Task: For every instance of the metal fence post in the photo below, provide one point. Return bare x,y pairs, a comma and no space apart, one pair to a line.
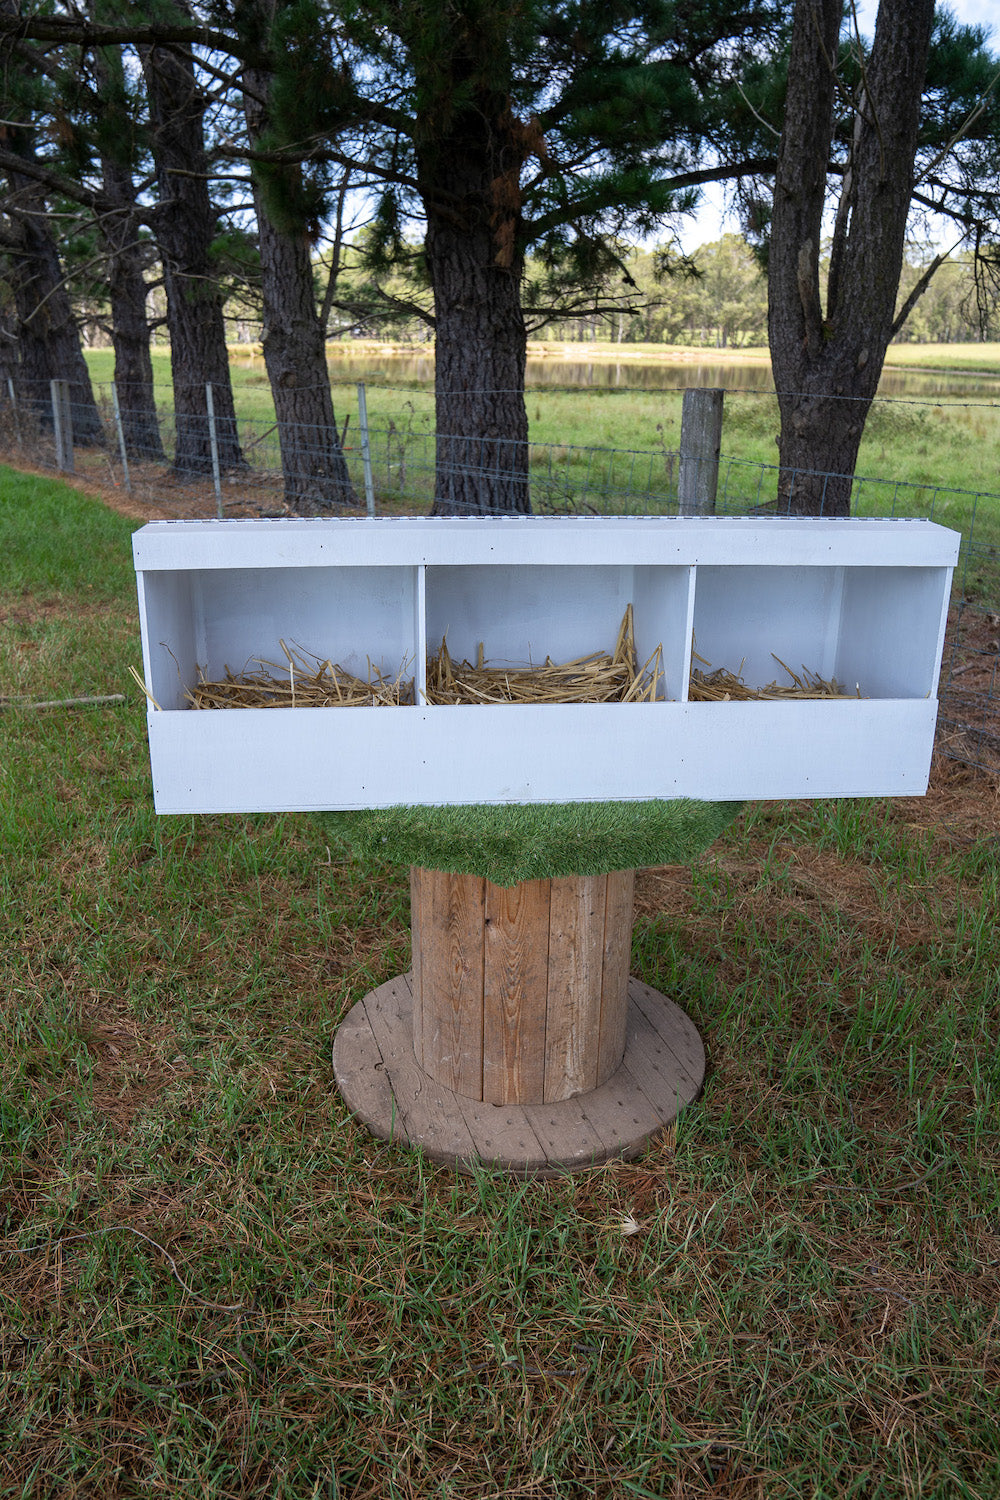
62,424
214,444
14,411
701,441
121,436
366,453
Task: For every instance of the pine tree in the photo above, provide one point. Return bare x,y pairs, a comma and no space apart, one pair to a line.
312,459
499,128
184,224
872,136
42,339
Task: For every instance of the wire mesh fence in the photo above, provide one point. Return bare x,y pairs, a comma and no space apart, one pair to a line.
397,464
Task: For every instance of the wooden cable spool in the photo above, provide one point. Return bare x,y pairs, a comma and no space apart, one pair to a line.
519,1041
520,994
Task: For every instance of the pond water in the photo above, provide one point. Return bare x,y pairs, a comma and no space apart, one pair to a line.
640,374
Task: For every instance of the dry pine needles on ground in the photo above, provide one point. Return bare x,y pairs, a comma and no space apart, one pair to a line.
598,678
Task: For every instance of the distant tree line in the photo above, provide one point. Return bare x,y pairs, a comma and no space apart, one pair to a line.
716,299
171,165
720,302
724,305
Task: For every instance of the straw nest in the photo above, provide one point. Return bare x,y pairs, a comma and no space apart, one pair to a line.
723,686
599,678
305,682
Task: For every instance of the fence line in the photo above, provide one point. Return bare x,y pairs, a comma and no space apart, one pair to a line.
395,466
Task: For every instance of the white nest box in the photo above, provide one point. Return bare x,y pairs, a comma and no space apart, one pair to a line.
861,601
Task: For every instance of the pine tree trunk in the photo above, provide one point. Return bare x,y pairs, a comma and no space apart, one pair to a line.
129,324
184,225
471,195
312,460
49,339
818,450
827,361
8,330
42,338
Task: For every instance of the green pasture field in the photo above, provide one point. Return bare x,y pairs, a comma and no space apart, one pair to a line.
948,445
611,447
983,357
215,1283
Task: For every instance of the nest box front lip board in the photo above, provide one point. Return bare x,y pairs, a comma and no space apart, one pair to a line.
861,600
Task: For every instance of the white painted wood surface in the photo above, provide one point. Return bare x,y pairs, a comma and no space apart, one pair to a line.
863,600
408,540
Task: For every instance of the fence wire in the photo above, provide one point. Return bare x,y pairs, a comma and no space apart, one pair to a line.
398,464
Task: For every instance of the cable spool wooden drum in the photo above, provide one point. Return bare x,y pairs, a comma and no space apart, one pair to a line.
519,1041
520,994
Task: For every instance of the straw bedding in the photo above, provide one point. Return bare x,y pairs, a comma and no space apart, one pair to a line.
603,677
307,681
723,686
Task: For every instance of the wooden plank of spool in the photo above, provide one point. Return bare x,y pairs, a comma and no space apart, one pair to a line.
515,958
568,1136
358,1059
447,924
618,919
520,994
417,944
684,1052
420,1112
574,985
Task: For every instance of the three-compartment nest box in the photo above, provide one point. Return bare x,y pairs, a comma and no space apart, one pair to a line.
855,602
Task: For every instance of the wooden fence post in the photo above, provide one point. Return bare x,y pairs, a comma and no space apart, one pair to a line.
701,440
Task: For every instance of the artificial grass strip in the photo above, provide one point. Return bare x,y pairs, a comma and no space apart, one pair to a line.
512,842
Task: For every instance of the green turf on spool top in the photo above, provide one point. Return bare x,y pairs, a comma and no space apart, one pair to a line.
510,843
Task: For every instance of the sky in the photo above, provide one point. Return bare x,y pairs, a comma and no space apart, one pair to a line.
712,221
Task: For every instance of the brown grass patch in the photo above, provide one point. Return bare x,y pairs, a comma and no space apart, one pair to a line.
969,719
132,1061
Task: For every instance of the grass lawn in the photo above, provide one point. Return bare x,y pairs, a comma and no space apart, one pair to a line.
215,1283
974,356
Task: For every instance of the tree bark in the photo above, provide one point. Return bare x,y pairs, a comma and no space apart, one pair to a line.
470,185
129,323
827,361
8,329
184,224
48,339
312,460
127,291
